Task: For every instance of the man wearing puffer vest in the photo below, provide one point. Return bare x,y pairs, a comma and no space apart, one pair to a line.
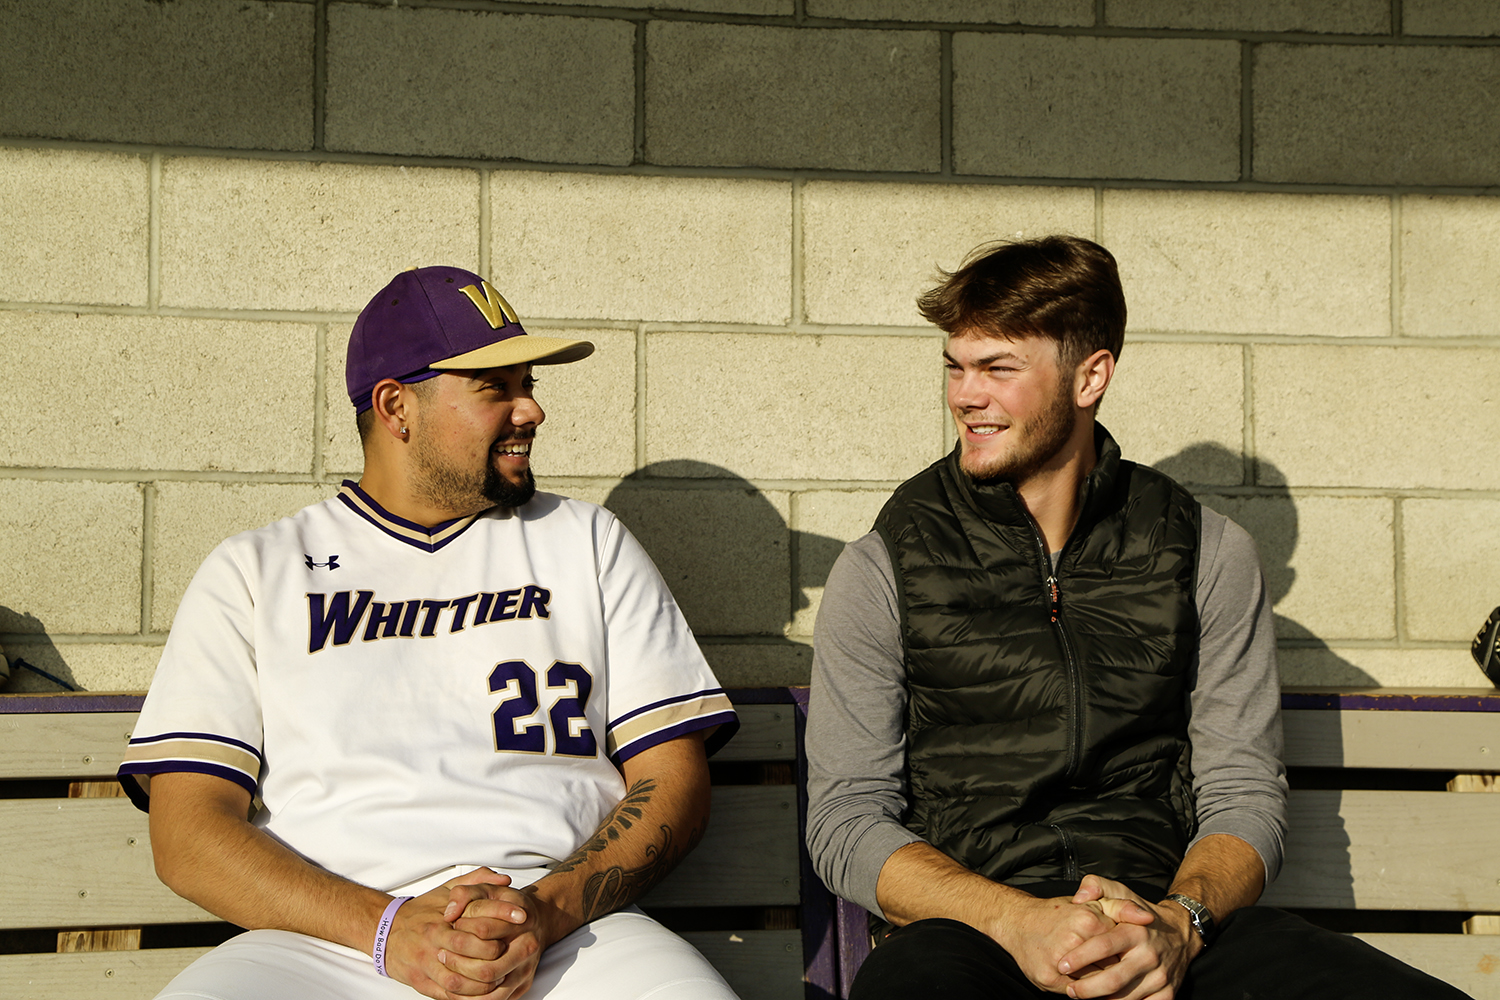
1044,740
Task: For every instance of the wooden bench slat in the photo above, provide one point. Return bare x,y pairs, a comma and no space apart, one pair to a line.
760,965
94,975
71,863
1390,851
1458,741
63,745
748,857
1470,962
767,732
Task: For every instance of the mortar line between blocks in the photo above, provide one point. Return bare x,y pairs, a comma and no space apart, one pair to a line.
640,396
1397,289
1247,389
148,553
797,305
1398,17
1099,14
1099,214
1398,549
153,236
320,399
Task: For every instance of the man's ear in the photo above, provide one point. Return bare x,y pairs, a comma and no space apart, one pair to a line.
391,407
1092,378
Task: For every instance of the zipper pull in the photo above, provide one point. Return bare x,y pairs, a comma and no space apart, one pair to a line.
1052,584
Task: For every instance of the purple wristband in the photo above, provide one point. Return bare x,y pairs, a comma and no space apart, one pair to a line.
384,931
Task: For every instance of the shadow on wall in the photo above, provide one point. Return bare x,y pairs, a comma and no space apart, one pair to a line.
35,663
1271,519
724,548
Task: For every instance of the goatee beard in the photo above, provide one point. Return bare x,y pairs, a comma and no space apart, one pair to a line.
504,493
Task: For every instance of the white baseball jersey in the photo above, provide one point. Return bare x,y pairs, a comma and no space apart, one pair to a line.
404,699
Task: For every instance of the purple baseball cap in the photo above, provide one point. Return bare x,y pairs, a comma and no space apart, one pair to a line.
431,319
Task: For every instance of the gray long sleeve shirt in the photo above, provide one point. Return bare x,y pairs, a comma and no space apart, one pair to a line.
856,732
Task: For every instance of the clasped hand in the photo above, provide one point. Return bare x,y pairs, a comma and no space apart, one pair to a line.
1142,956
473,936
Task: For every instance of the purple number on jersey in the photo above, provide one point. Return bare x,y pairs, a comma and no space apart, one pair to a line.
518,679
567,713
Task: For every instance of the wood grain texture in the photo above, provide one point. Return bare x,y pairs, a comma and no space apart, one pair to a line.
116,939
1461,741
759,965
98,975
766,733
63,744
1390,851
1470,963
747,858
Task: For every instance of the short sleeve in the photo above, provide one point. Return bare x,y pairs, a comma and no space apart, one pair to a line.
202,713
660,686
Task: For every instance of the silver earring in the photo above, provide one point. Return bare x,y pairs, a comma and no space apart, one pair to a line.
403,432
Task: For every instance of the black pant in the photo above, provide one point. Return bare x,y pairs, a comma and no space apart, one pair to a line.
1261,954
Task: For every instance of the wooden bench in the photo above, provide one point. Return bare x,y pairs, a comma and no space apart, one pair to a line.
86,917
1386,841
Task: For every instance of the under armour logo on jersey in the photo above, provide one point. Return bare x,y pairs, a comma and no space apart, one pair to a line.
332,563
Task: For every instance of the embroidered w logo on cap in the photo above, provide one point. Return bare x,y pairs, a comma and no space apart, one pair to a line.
492,304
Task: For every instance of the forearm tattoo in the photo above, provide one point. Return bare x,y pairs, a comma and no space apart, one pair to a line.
611,888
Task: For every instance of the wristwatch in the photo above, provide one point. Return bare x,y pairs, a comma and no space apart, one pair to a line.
1203,921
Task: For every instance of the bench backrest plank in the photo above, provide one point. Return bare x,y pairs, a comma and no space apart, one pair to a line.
63,744
97,975
1438,741
1469,961
1390,850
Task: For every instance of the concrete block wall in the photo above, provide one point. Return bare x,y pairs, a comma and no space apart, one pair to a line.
738,200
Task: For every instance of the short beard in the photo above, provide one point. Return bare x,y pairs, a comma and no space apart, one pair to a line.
447,488
1045,436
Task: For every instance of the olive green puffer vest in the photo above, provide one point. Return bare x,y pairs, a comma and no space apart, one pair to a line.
1047,712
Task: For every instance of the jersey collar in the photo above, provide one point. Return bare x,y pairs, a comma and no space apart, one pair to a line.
399,528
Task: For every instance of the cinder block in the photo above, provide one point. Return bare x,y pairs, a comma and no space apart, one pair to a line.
1181,408
1357,114
1057,106
746,95
258,234
1354,17
162,393
1365,667
1042,12
1450,255
723,551
1381,417
1450,566
760,664
825,521
1233,262
585,246
431,82
74,225
790,407
87,666
590,407
769,8
1330,562
192,518
1450,17
869,250
221,73
70,557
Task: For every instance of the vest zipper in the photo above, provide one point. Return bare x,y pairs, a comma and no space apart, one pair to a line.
1070,855
1070,660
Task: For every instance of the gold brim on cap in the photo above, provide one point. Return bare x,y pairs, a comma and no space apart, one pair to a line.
521,350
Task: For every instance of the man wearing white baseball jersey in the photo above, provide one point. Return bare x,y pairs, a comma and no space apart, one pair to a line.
437,732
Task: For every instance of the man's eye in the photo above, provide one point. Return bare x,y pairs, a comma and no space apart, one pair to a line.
530,382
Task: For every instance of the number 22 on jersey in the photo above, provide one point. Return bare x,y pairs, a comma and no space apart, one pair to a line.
516,728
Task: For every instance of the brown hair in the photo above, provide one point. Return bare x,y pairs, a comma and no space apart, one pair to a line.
1059,287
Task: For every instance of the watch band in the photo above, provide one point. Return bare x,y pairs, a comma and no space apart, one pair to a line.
1203,921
